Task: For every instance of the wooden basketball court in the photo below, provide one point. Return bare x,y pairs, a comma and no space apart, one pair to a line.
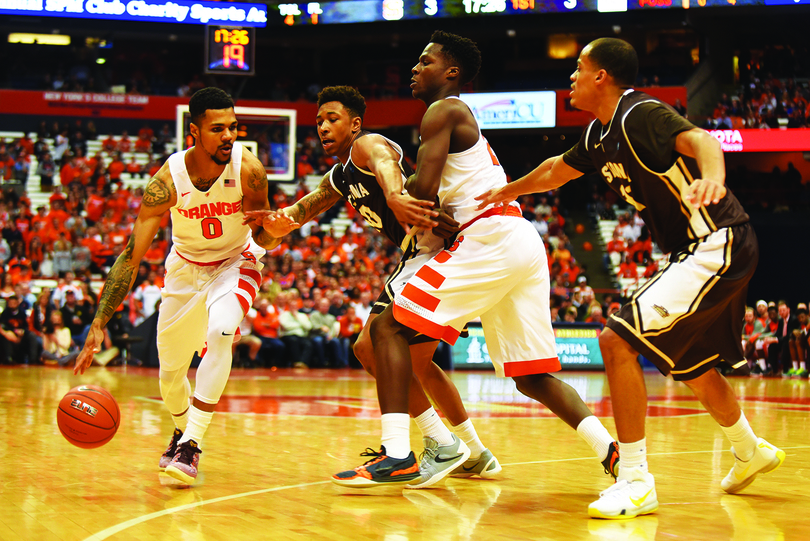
269,455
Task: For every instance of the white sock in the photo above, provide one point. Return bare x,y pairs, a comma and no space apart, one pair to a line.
596,435
762,365
633,455
198,421
180,421
741,437
396,434
432,426
795,365
802,365
466,432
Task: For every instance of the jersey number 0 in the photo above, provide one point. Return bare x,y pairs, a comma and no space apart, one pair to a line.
211,228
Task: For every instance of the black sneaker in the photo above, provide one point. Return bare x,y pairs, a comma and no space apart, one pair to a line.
171,450
611,462
379,470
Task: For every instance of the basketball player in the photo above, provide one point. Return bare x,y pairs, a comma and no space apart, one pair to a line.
214,267
689,317
370,177
495,269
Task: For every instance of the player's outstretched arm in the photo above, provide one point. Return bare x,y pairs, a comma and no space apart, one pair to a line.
382,160
158,197
708,153
549,175
255,203
280,223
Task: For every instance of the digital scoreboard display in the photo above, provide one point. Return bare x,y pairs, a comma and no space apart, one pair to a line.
363,11
230,50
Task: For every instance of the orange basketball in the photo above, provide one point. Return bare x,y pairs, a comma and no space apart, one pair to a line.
587,246
88,416
580,229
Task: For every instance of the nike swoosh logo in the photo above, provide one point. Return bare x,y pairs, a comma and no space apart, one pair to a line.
638,502
465,468
184,194
223,334
741,476
440,459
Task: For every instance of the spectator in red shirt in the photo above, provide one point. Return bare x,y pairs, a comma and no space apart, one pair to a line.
109,145
115,168
628,269
124,144
134,168
350,327
266,326
95,206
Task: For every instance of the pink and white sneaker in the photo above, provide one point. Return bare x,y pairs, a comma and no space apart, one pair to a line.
171,450
183,466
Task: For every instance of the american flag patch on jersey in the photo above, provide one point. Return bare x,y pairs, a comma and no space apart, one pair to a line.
230,183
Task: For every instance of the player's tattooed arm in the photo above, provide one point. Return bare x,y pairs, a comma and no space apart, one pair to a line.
119,280
123,272
314,203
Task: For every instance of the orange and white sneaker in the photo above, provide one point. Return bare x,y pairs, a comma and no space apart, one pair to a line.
766,458
632,495
380,470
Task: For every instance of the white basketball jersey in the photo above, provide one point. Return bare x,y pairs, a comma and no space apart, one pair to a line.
466,175
207,226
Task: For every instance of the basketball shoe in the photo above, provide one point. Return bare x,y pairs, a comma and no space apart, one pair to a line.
485,466
380,469
629,497
171,450
611,462
438,461
766,458
183,466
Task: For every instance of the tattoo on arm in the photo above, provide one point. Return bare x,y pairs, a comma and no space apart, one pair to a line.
258,179
266,240
314,203
157,193
119,280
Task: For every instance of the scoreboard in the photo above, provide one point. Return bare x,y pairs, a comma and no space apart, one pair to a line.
360,11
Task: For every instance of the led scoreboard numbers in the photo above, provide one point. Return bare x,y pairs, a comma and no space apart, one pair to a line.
230,50
360,11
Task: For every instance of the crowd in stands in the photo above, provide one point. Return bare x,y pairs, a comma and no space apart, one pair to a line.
773,94
318,285
775,340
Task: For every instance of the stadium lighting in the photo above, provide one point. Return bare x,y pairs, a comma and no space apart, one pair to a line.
40,39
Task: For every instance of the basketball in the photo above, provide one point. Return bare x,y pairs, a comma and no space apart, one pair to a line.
587,246
88,416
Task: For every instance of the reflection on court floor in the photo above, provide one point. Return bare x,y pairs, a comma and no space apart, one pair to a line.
268,456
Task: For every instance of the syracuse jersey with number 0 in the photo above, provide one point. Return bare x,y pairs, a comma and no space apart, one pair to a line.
213,255
207,226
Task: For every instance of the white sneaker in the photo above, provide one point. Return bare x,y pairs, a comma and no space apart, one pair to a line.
766,458
438,461
632,495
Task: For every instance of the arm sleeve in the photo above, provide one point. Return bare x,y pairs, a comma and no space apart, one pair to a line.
578,157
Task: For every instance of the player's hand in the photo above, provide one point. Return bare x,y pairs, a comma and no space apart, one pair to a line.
494,197
447,226
276,223
410,211
91,346
704,192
